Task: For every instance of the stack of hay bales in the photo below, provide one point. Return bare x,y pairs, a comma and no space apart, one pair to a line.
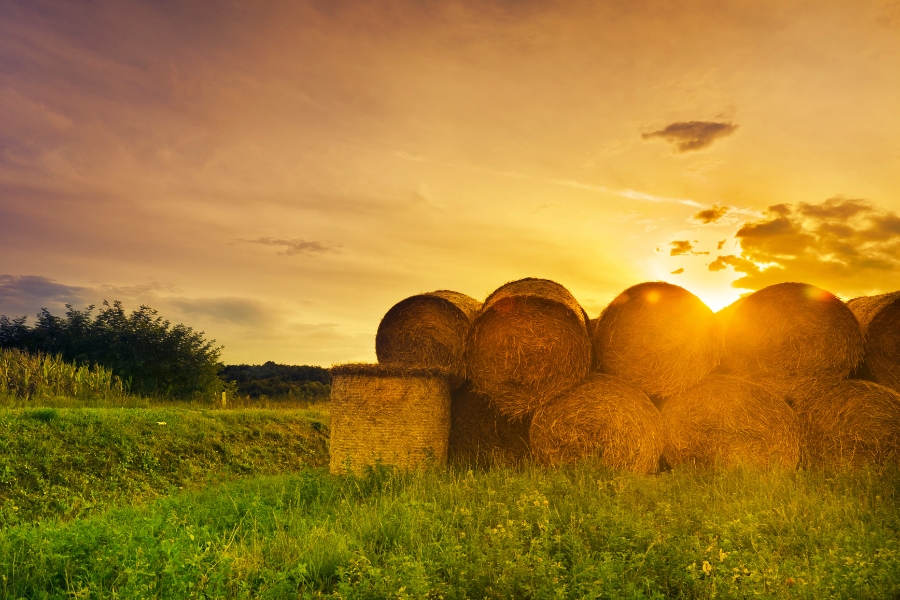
792,338
528,345
763,382
388,414
602,416
658,336
726,421
879,319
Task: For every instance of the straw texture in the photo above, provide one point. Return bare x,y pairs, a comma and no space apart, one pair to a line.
658,336
603,416
791,338
528,344
480,435
725,421
394,416
852,423
428,330
879,319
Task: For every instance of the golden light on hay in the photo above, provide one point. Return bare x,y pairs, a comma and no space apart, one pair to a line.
791,338
659,337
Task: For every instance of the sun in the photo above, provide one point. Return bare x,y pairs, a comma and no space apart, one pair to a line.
715,298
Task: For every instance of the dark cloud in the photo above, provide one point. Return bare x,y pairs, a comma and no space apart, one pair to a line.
678,271
846,245
692,135
27,294
680,247
294,246
711,215
720,244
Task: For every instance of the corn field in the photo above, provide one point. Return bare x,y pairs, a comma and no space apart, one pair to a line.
46,376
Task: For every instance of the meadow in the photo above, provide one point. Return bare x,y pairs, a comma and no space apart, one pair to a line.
185,501
105,494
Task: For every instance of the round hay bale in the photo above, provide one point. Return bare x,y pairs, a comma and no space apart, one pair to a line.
428,330
602,416
658,336
852,423
791,338
480,435
528,344
879,319
388,414
726,421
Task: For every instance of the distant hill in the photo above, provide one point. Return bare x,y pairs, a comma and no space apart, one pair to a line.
279,381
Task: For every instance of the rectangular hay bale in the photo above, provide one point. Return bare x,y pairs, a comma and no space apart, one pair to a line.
393,416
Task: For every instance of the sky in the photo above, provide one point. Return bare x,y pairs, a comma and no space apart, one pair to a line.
278,174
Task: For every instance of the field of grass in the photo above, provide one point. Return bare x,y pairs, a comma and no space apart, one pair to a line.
109,503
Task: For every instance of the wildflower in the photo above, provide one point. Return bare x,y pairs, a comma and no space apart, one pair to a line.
160,422
707,568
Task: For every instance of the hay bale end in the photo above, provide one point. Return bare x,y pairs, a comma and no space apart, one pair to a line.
605,417
726,421
528,344
388,414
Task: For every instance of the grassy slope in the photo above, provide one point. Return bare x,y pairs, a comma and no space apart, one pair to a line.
65,463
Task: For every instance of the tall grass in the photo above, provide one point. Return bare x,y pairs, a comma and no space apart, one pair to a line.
32,376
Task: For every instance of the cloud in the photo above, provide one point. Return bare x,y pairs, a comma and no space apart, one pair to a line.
720,244
846,245
678,271
238,311
27,294
682,247
711,215
296,246
692,135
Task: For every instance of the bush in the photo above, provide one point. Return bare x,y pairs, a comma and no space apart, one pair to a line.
151,356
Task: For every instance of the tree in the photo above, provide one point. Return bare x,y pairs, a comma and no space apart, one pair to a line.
150,355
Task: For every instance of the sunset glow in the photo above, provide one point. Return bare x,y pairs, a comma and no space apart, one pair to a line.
279,174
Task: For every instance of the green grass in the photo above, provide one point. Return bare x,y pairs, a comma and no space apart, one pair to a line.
100,503
67,463
580,532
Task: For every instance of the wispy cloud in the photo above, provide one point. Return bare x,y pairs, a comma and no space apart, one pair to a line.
569,183
688,136
295,246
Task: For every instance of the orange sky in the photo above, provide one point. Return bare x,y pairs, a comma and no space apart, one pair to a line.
278,174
